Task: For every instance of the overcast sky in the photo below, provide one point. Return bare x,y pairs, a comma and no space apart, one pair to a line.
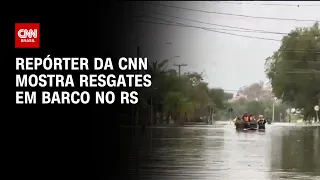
221,56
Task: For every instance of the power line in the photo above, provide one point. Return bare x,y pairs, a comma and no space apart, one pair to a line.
212,29
213,23
202,22
300,72
298,61
300,50
231,14
237,30
249,31
271,4
254,37
232,90
181,25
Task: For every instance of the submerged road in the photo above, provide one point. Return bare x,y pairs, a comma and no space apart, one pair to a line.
219,152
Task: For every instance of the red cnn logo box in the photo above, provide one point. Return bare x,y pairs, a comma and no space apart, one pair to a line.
27,35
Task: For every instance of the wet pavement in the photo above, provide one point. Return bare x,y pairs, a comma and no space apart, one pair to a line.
219,152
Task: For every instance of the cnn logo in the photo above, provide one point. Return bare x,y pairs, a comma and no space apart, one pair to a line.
27,35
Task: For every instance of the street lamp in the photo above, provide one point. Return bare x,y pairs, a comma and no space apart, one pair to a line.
316,108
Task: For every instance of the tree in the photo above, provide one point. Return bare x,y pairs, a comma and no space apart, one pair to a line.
227,96
255,107
184,97
256,91
293,69
157,91
217,96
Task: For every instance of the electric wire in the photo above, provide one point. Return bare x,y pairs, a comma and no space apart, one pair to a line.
227,26
207,29
271,4
181,25
238,15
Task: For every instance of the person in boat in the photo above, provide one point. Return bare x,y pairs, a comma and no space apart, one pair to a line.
237,118
246,120
245,117
253,122
261,122
251,118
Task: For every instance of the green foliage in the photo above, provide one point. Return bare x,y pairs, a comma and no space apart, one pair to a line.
255,107
294,69
218,96
187,94
259,107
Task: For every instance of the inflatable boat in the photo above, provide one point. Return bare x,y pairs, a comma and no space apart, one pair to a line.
242,125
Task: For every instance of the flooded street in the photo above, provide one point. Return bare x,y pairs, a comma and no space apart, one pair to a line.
219,152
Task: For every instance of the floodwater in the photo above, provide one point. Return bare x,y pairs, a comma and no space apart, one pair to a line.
219,152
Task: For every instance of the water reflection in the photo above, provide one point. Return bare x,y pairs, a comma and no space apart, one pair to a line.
183,153
294,152
219,152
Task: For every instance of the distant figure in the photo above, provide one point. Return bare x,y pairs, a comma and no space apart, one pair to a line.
261,122
252,118
245,118
237,118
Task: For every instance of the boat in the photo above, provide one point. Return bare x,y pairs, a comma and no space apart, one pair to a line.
242,125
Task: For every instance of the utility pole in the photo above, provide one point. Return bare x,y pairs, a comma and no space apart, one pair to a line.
289,112
273,101
209,115
316,108
179,66
151,111
273,112
134,110
137,109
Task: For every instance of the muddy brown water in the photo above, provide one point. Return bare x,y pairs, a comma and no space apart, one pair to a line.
219,152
